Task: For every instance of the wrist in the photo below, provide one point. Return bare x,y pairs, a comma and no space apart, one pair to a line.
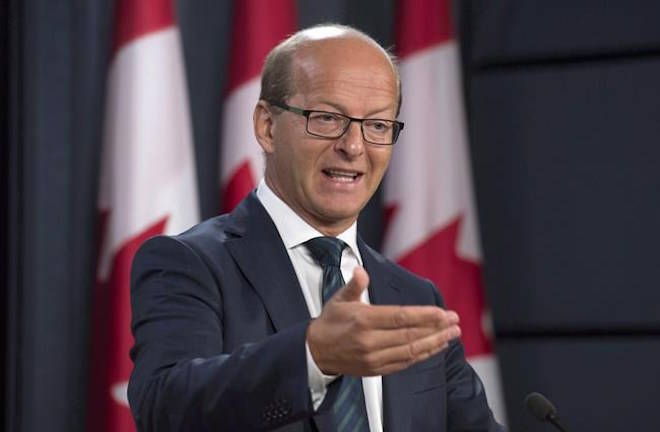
313,344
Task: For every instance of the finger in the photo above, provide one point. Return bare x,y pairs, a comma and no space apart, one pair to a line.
422,348
414,352
394,317
401,365
376,340
354,288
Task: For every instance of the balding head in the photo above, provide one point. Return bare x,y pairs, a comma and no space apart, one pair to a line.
278,77
330,74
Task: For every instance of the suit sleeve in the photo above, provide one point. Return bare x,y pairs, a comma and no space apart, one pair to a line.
467,406
182,379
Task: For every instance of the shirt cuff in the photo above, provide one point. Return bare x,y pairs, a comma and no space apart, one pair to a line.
318,381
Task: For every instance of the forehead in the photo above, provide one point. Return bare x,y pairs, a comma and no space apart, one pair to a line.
344,68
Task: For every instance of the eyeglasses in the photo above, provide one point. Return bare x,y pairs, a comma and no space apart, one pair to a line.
333,125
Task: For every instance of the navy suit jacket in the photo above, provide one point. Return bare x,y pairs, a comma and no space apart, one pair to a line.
219,321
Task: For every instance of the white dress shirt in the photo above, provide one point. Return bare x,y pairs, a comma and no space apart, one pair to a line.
294,232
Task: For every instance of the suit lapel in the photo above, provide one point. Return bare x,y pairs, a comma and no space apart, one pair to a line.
258,250
260,253
397,386
381,288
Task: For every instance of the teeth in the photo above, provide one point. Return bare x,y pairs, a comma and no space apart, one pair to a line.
343,179
342,174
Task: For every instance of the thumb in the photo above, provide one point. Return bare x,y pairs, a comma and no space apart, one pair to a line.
354,288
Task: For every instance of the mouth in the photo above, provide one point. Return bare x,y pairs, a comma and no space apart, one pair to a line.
342,176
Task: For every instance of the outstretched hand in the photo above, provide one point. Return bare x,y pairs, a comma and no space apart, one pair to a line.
354,338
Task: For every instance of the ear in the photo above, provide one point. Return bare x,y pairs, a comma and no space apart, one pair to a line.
263,126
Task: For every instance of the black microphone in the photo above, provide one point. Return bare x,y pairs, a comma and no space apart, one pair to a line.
543,410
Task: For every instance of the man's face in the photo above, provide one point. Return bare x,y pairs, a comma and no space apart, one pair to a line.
328,181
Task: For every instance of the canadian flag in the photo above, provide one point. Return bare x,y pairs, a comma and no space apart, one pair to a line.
431,220
257,27
148,186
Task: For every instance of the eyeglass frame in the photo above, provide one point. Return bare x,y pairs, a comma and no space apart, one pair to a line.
398,126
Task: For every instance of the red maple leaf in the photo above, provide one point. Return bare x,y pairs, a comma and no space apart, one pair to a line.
459,280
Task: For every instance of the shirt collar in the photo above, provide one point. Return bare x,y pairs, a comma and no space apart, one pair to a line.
293,229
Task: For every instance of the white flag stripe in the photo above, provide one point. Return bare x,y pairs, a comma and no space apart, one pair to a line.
488,369
429,186
148,170
434,143
239,143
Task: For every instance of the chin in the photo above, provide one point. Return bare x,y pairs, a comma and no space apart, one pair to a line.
337,208
339,213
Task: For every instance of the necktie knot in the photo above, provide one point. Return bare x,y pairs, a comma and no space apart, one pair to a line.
326,251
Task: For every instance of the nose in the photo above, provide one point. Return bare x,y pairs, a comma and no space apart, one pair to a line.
351,144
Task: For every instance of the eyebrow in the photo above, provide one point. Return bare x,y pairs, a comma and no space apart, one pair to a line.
341,109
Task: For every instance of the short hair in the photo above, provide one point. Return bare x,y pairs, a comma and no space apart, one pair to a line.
277,74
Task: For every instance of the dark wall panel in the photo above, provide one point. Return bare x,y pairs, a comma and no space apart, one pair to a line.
4,196
606,384
517,30
564,107
566,162
57,85
205,27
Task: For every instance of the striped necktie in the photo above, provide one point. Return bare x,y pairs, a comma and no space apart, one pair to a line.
349,409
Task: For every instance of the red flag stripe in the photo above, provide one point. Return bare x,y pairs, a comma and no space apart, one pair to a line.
240,184
136,18
109,363
426,23
258,27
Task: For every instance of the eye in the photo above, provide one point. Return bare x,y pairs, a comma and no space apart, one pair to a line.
378,125
325,117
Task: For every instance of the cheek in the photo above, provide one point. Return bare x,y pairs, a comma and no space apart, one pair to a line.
303,162
301,166
379,159
289,155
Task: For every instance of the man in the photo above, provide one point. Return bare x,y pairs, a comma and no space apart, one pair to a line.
222,314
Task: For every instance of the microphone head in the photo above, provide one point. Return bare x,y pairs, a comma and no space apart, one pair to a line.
540,406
